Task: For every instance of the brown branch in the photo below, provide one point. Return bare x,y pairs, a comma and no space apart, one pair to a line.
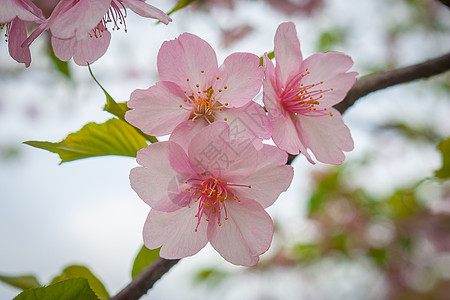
366,85
145,280
374,82
445,2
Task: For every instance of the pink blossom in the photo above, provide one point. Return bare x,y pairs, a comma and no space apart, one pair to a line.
79,28
299,95
13,15
194,92
215,191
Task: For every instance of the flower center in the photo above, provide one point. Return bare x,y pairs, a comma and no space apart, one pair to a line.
212,196
299,98
203,103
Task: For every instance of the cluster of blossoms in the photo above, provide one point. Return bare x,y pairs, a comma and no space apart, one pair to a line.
214,177
78,28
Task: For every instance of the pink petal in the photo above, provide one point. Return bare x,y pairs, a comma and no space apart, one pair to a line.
156,182
270,90
62,7
185,131
185,57
285,135
330,68
147,11
270,178
156,110
175,232
63,49
17,34
213,151
31,7
326,136
25,10
287,52
240,79
79,19
85,51
179,161
89,49
249,121
245,235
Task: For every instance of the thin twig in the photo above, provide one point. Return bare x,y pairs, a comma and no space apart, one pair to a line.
367,84
145,280
445,2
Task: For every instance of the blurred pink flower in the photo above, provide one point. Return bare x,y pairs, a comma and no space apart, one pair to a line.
79,28
215,192
291,7
13,15
299,95
194,92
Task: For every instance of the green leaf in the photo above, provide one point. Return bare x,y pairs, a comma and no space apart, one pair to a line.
180,4
71,289
144,258
114,137
444,171
271,55
118,109
23,282
111,106
76,271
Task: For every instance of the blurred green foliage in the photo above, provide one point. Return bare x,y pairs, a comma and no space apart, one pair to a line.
331,39
210,276
444,148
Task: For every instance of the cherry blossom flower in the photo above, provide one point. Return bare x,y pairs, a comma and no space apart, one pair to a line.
13,15
79,28
194,92
299,95
215,191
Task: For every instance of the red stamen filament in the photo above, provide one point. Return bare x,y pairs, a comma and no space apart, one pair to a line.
212,196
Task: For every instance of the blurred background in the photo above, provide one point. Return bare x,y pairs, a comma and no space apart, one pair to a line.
377,227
